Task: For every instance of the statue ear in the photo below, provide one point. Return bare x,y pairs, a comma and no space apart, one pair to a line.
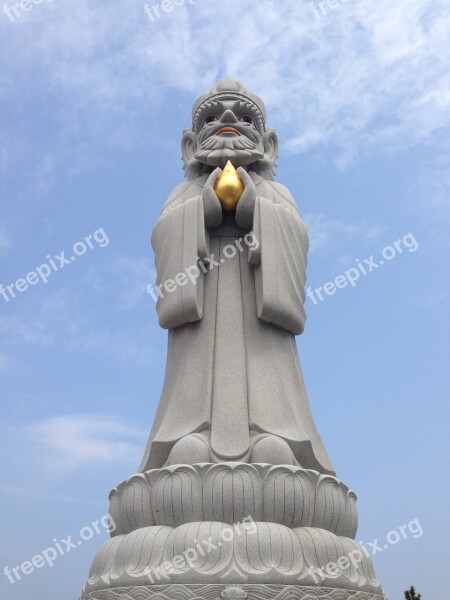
188,148
270,140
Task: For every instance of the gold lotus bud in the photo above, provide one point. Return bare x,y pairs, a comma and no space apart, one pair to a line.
229,187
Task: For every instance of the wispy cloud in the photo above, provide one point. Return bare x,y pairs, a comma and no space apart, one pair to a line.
371,74
72,441
428,300
326,234
374,232
135,274
59,321
123,346
50,318
23,492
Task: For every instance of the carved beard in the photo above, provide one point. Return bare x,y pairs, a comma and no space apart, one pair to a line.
216,150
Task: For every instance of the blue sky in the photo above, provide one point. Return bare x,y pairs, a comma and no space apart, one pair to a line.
94,97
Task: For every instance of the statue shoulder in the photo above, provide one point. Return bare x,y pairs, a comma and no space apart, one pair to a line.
183,191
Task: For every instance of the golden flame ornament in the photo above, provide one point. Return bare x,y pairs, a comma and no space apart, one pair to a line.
229,187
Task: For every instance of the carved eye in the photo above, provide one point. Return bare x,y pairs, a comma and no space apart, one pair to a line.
247,120
210,119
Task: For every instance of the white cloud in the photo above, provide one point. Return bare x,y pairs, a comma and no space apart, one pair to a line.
134,274
326,234
72,441
428,300
122,346
25,492
58,321
46,321
369,74
374,232
17,330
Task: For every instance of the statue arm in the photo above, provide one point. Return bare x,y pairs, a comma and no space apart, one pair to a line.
179,239
280,261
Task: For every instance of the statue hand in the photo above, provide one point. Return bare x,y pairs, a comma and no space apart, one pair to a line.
246,204
211,203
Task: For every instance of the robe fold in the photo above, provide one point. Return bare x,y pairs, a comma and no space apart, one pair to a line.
232,362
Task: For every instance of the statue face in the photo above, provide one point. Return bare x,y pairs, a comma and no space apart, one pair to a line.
229,130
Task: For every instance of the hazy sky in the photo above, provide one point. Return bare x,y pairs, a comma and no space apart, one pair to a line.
94,98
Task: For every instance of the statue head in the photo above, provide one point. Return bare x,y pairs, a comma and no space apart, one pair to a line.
228,123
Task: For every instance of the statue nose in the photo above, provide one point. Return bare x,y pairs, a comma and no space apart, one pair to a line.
228,117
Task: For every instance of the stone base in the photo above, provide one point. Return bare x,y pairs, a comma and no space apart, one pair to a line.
230,592
229,492
232,530
211,552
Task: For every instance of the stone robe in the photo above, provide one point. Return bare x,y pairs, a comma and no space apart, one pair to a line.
233,369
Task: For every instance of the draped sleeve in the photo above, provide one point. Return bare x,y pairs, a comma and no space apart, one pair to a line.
180,240
280,264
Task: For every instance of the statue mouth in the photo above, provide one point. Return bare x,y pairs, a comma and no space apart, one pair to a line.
228,130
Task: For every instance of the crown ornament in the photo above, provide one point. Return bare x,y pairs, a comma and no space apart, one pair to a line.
228,89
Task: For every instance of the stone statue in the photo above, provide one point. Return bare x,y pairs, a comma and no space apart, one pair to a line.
234,388
236,496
